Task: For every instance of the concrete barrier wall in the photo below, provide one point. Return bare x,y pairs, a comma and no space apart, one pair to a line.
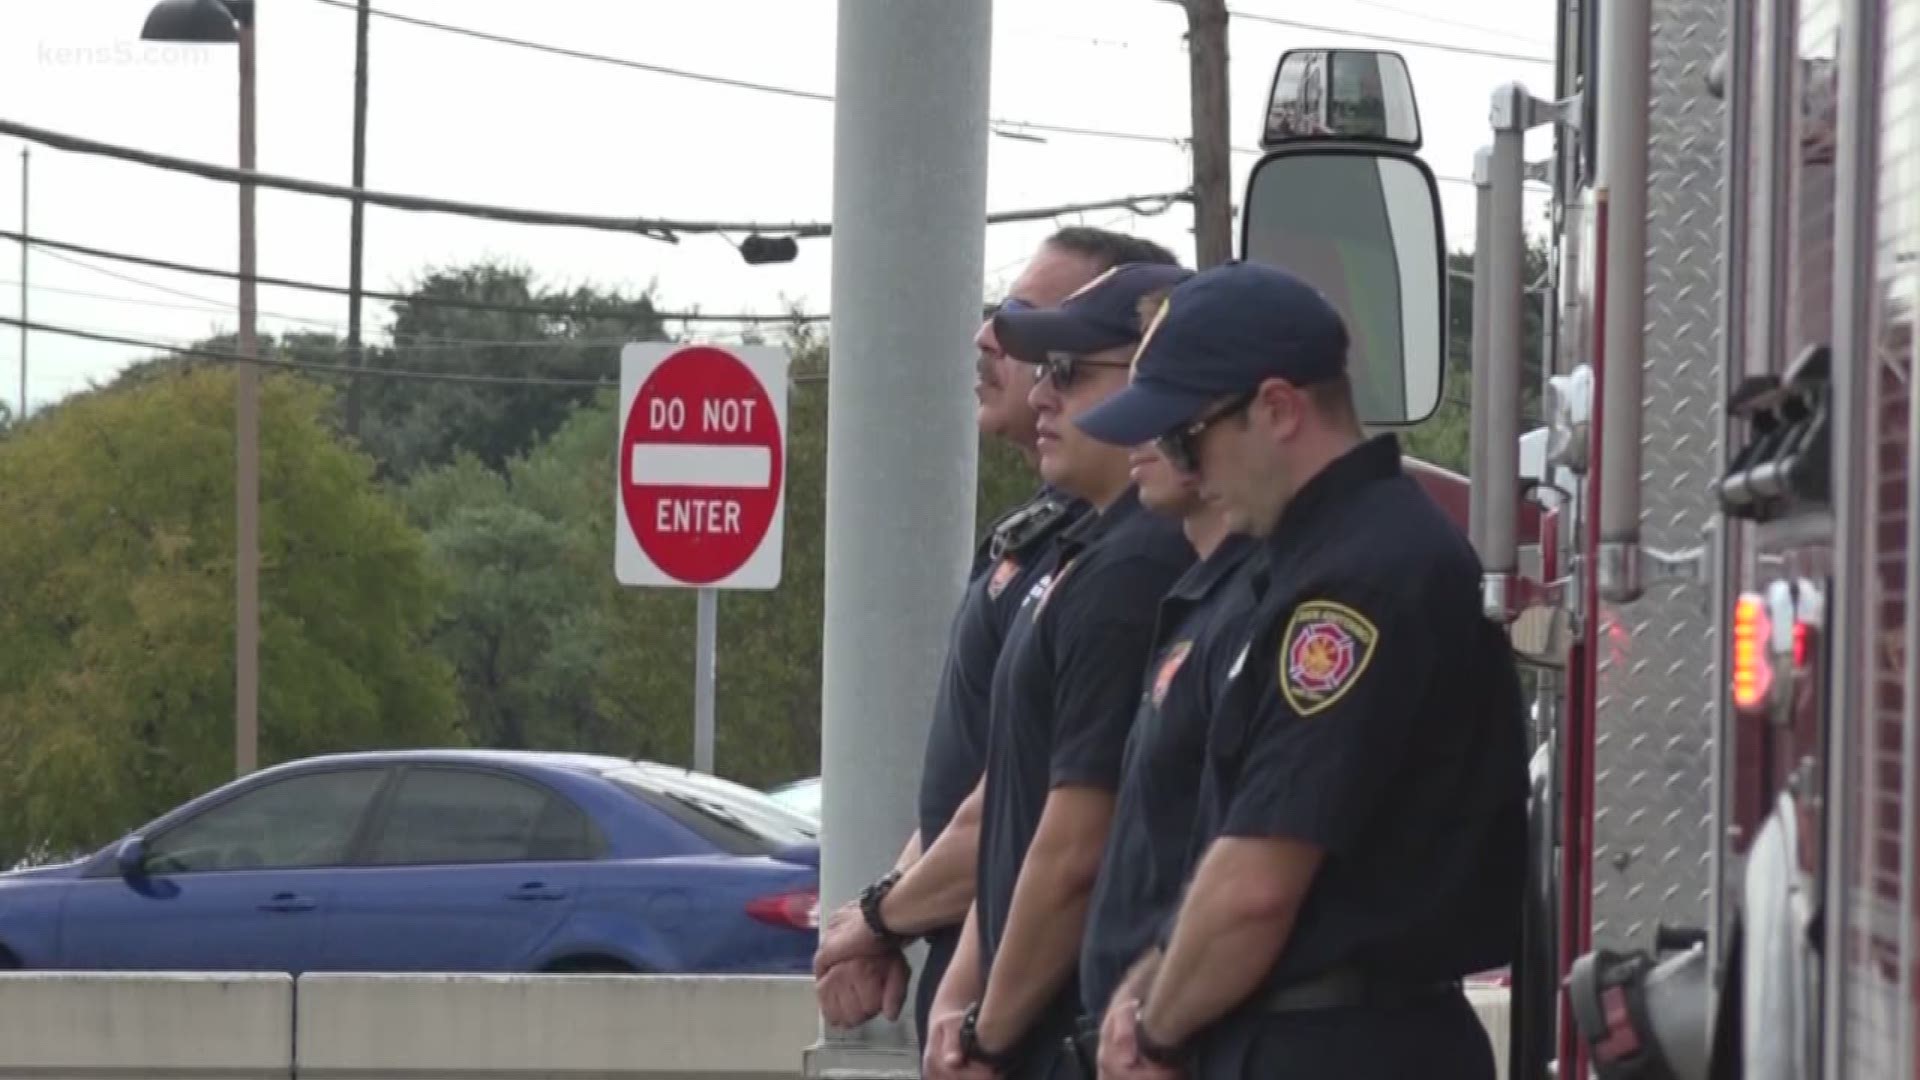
87,1026
416,1027
396,1027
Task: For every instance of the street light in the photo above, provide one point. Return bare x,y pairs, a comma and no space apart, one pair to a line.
220,22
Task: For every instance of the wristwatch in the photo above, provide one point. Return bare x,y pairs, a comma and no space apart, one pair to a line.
970,1048
870,898
1167,1057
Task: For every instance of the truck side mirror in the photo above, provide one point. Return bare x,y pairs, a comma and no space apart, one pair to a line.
1363,225
1346,94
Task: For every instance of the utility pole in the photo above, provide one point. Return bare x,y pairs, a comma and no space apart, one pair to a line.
247,444
909,214
356,231
25,232
1212,193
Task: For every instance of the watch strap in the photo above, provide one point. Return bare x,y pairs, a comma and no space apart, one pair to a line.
971,1050
1167,1057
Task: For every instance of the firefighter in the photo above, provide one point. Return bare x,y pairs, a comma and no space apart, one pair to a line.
1363,799
859,968
1149,845
1063,699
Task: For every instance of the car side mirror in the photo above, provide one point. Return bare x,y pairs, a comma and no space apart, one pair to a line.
1363,225
131,858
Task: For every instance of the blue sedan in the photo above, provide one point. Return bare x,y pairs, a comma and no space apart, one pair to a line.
441,861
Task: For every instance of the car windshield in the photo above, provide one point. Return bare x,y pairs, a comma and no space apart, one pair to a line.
736,819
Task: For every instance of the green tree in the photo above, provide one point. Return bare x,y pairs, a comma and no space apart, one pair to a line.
116,633
1444,438
410,425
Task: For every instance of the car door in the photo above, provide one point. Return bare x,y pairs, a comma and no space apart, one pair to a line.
240,886
468,869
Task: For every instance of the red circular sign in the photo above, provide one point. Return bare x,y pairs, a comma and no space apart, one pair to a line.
700,465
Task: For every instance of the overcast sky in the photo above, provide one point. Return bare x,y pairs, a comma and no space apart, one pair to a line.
483,122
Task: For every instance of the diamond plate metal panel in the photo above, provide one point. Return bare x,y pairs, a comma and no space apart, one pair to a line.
1654,754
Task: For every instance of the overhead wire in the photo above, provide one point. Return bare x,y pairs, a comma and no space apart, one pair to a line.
1015,125
664,229
420,299
1421,43
345,370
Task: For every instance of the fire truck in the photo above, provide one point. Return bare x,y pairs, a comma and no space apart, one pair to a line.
1701,545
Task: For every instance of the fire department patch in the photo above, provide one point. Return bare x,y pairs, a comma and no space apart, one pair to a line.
1002,574
1169,667
1323,653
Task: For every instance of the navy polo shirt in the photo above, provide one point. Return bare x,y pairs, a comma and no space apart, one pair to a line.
1151,845
1374,712
1067,685
1000,578
1012,554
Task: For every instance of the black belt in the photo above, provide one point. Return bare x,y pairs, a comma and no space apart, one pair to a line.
1349,987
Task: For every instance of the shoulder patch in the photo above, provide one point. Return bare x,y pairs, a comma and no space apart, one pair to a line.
1324,652
1002,574
1169,667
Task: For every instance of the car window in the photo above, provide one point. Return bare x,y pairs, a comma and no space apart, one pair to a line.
306,820
442,816
734,819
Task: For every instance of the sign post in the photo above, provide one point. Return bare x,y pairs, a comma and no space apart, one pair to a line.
701,488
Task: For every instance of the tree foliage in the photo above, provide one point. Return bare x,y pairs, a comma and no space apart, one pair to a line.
445,575
1444,438
116,634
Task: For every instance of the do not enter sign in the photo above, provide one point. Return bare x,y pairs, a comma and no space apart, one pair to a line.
702,468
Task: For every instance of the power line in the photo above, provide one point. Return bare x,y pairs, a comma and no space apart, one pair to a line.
822,96
1479,28
655,228
305,365
1468,50
423,300
354,372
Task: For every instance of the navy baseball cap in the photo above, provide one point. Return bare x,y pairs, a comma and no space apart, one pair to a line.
1222,331
1102,314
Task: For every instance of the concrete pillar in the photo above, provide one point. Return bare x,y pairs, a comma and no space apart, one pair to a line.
910,172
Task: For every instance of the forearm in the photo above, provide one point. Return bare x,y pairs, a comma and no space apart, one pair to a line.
961,984
1037,955
909,854
937,889
1224,943
1140,976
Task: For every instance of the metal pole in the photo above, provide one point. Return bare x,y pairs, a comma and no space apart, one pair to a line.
1621,182
246,636
25,231
910,171
357,227
1500,420
1858,603
1477,400
706,620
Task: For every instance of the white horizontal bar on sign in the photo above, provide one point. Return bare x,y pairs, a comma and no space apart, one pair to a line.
692,465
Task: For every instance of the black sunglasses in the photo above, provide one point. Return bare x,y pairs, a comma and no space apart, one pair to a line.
1063,368
1179,445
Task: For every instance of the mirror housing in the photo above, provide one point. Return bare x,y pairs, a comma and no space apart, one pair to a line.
131,858
1351,95
1363,225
